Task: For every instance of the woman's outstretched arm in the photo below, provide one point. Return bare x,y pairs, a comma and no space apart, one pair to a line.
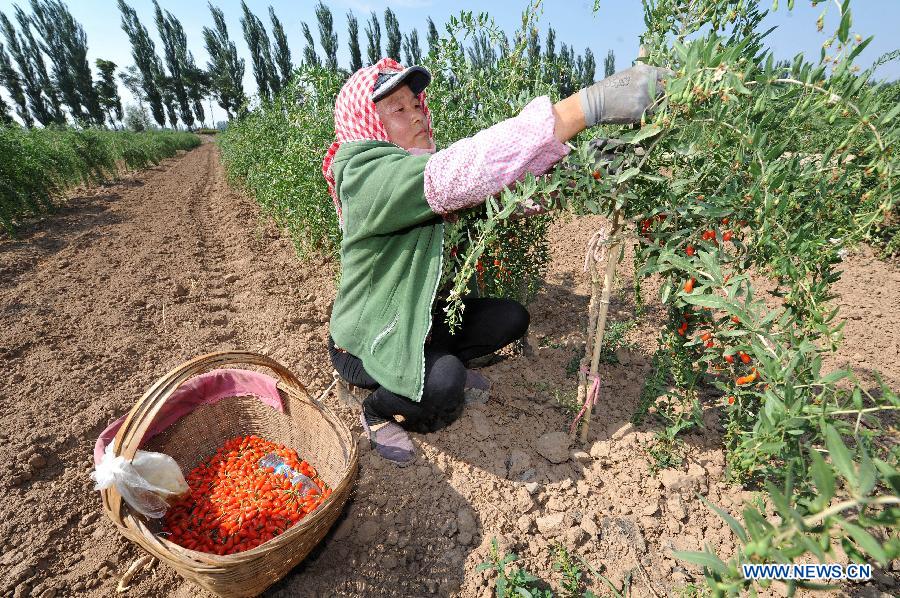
471,169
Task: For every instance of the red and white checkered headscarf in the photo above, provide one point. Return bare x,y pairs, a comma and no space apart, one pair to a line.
355,118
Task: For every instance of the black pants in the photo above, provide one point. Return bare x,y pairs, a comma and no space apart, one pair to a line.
487,325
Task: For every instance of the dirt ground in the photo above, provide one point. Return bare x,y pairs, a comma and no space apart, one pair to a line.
130,279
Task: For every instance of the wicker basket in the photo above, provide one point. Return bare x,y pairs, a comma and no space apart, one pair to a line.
309,428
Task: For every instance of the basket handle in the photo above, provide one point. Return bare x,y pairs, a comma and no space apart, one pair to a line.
141,416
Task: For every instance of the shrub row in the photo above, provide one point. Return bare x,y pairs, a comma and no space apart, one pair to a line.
37,166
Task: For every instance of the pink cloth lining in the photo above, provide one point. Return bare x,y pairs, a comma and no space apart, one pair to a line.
204,389
471,169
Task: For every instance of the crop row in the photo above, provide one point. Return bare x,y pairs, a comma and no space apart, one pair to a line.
38,166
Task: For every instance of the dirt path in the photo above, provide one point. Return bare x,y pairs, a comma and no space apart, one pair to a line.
133,278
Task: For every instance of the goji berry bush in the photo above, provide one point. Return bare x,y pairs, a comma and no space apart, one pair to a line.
275,153
751,166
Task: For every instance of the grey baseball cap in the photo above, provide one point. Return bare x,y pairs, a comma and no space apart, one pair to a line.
417,77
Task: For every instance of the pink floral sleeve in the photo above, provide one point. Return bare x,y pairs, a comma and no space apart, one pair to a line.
471,169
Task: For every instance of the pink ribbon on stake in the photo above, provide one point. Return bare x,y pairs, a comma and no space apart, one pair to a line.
591,399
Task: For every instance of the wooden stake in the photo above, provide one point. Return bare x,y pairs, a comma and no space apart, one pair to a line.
612,260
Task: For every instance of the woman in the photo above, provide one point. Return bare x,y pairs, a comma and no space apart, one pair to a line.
392,191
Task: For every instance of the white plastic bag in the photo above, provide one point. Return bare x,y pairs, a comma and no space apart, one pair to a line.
146,484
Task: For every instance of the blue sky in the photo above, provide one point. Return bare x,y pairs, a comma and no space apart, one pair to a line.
616,26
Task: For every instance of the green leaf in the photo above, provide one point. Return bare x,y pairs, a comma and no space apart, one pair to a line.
664,292
733,523
646,132
834,377
711,264
627,174
865,541
859,48
844,29
711,301
678,261
866,473
822,476
887,118
812,547
757,525
704,559
783,505
889,474
840,455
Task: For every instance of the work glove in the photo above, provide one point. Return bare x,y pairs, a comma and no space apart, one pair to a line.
622,98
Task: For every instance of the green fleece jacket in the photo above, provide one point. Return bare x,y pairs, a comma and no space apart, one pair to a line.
391,256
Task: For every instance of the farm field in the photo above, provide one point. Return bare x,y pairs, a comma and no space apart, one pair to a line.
133,278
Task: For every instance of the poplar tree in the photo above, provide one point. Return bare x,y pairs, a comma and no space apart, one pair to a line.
167,88
609,64
225,69
107,92
550,49
132,80
13,84
327,36
196,82
66,44
260,55
504,46
143,51
566,73
394,39
198,85
534,48
281,49
31,84
373,35
590,68
5,118
411,49
433,37
353,35
310,58
174,50
481,54
578,73
35,56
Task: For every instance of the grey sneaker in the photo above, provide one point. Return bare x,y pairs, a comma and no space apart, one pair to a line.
389,440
